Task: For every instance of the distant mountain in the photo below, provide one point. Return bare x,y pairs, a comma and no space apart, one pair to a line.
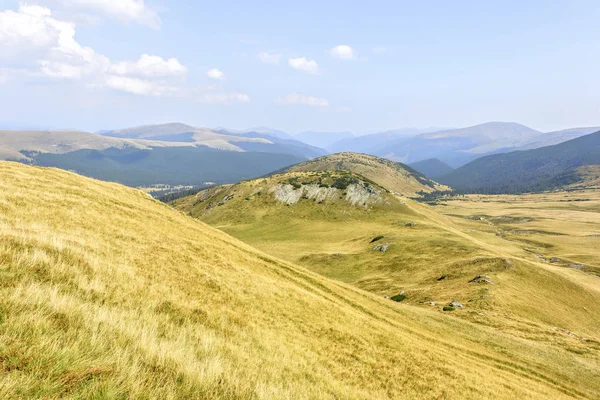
556,137
459,146
530,170
278,144
370,144
393,176
12,142
218,139
259,129
322,139
432,167
206,157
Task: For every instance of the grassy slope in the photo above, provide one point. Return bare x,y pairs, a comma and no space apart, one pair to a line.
334,238
394,176
107,293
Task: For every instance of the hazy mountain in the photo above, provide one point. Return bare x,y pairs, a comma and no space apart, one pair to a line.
556,137
528,170
432,167
279,144
13,142
206,157
458,146
218,139
259,129
322,139
371,143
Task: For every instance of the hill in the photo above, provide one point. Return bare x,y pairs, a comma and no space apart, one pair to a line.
432,167
393,176
530,170
153,160
106,292
57,142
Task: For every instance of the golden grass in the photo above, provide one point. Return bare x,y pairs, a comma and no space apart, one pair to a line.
107,293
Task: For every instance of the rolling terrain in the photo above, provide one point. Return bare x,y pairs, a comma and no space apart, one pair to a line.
530,170
170,154
108,293
392,245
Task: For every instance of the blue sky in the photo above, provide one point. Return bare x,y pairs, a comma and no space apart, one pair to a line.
99,64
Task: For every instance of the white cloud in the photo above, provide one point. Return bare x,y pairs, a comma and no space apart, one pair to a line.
379,50
150,66
343,52
215,74
344,109
124,11
269,58
224,98
139,86
45,46
303,64
300,99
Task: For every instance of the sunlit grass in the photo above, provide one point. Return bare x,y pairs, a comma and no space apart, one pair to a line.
106,293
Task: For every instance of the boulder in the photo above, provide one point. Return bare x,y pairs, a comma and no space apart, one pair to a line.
382,247
410,224
481,279
456,304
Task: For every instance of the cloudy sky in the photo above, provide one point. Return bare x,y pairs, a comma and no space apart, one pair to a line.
310,65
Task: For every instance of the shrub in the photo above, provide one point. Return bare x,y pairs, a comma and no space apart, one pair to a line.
376,238
448,308
398,297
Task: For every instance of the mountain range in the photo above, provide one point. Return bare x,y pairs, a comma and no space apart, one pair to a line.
529,170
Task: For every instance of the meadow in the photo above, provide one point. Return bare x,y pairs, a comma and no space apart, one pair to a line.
109,294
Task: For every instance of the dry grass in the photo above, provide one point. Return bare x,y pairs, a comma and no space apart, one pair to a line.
106,293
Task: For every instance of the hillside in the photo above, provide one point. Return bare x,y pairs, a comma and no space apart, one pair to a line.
393,176
107,292
530,170
57,142
431,167
153,160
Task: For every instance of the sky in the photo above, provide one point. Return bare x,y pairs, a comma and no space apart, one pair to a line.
310,65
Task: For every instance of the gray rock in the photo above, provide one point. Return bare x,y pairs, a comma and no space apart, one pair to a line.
410,224
382,247
481,279
456,304
555,260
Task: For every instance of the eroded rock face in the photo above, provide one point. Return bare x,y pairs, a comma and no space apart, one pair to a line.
360,195
319,193
357,194
286,193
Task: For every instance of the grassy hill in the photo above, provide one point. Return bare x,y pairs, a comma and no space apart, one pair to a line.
530,170
431,167
394,176
107,293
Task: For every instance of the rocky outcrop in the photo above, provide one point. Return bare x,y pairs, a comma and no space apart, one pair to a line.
357,194
286,194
